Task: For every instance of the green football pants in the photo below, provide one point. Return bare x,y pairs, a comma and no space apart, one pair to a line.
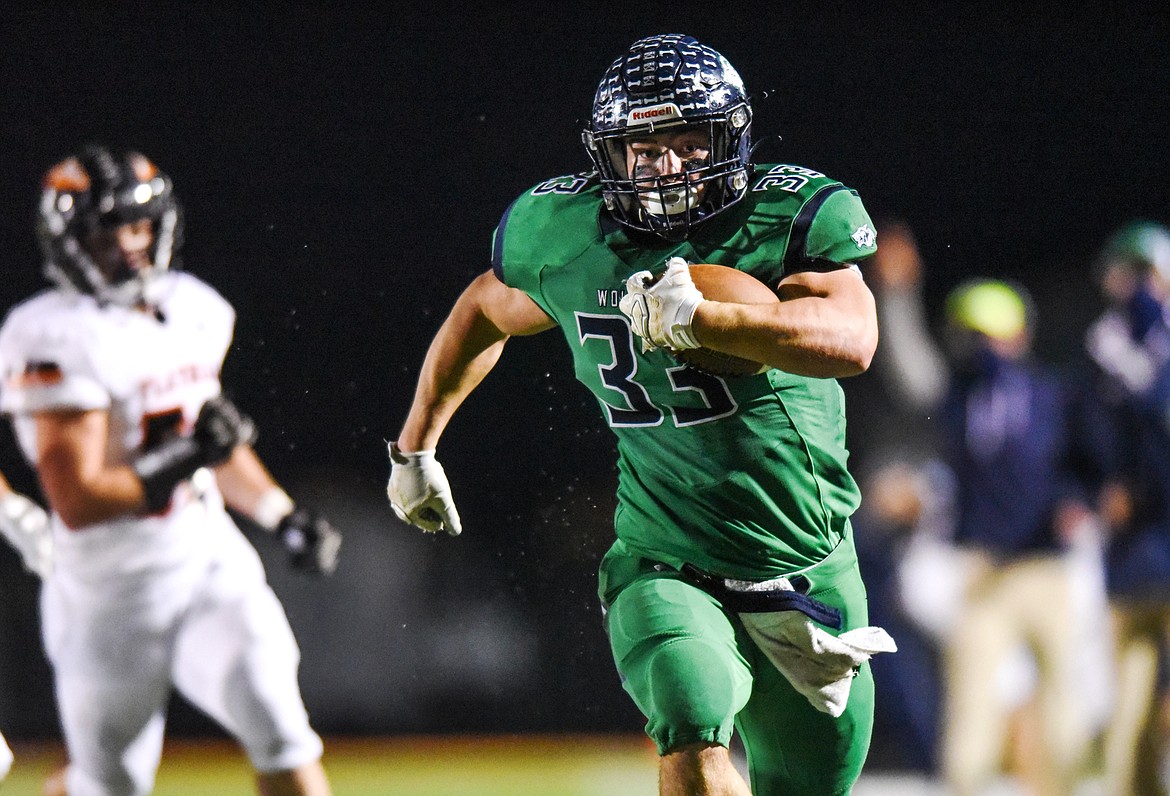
692,670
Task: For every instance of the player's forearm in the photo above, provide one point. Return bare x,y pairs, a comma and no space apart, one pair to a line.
243,481
79,484
464,351
462,354
83,499
810,336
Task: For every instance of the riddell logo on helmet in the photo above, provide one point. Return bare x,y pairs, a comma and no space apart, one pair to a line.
655,113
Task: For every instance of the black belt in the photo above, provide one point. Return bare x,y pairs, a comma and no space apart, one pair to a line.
756,602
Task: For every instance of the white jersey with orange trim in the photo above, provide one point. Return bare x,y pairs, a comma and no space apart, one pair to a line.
137,606
152,371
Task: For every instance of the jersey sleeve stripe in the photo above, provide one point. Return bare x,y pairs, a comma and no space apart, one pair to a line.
796,256
498,244
71,392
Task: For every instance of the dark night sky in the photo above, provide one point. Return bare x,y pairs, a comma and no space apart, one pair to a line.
342,172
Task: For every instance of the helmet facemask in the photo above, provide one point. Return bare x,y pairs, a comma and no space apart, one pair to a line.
669,205
667,84
98,189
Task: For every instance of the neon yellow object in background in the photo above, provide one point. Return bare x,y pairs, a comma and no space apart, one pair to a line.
988,306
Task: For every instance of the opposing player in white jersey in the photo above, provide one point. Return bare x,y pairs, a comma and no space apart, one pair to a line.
112,384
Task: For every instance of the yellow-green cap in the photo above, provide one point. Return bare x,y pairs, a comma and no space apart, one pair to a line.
988,306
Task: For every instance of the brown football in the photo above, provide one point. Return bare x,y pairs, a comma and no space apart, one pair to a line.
722,283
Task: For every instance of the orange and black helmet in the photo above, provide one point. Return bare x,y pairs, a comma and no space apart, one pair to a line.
101,187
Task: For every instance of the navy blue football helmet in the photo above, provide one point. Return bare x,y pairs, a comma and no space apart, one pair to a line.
100,188
665,83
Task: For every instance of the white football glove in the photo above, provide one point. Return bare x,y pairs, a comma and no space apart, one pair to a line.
26,527
661,313
419,492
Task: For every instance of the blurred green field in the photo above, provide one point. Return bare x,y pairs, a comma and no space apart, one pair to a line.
569,765
495,765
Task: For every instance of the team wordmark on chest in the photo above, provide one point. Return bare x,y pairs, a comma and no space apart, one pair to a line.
609,298
178,378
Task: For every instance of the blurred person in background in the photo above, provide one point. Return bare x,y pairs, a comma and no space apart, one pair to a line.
894,448
733,595
1019,443
25,526
908,527
1130,345
111,380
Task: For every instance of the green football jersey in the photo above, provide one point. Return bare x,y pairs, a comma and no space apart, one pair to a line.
746,476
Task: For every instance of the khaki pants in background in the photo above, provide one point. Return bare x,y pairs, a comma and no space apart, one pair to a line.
1026,604
1135,740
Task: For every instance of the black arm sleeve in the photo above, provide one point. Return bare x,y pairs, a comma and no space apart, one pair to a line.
163,467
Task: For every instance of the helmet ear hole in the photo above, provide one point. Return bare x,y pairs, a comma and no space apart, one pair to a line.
671,82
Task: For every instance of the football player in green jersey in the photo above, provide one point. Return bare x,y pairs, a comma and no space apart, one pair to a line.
731,593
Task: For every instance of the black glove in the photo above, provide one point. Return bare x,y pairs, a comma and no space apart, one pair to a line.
311,541
219,428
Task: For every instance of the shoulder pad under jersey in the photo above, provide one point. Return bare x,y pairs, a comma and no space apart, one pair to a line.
551,222
827,224
50,351
192,303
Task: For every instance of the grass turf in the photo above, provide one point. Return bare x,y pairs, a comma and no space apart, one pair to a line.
409,766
